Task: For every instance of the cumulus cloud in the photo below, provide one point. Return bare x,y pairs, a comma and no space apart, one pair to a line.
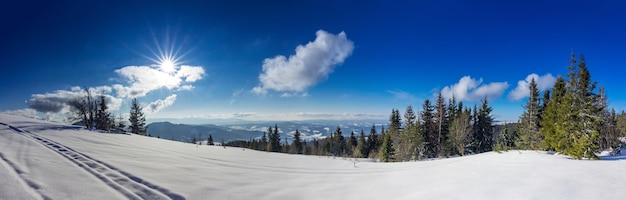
521,91
144,79
473,90
311,64
158,105
58,101
140,80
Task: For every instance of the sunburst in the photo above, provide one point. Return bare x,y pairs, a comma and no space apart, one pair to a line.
167,56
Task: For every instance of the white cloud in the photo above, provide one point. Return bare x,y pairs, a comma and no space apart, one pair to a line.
144,79
521,91
57,101
243,114
470,89
141,80
158,105
311,64
294,94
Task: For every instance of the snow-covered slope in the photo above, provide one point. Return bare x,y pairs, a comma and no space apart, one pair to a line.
41,160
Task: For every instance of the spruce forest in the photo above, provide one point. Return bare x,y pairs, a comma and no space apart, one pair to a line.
572,118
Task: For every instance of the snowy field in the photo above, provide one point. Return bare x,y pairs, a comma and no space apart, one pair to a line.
42,160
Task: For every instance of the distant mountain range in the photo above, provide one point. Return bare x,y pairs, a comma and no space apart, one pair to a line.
247,130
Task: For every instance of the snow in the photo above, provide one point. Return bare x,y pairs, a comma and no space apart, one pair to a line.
42,160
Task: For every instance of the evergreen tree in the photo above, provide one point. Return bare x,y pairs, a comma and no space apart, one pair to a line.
338,142
609,134
441,123
528,126
274,139
297,143
584,114
474,137
386,150
409,145
352,143
137,118
210,140
361,147
460,132
554,117
103,117
503,140
573,117
372,141
621,124
394,122
484,136
428,130
263,142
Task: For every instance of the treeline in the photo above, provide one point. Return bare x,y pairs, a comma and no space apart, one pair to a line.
93,113
440,130
572,118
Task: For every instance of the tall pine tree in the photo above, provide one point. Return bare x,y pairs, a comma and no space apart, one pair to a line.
441,123
136,118
528,126
428,129
386,153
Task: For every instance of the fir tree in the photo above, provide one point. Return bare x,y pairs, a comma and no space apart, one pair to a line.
428,129
352,143
441,123
263,142
210,140
338,143
136,118
609,135
584,114
274,139
554,117
103,117
372,141
460,131
386,150
361,147
297,143
528,126
484,136
410,142
503,139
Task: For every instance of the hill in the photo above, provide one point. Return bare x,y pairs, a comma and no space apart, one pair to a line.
41,160
184,133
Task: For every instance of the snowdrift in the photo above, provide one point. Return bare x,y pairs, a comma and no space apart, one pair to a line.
42,160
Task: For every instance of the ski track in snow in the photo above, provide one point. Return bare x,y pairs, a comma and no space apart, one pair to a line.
132,187
30,186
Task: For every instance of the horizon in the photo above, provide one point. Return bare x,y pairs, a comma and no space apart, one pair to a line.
299,61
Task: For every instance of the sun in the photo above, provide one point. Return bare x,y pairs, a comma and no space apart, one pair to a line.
167,55
167,65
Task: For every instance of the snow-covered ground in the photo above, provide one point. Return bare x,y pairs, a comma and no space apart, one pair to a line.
42,160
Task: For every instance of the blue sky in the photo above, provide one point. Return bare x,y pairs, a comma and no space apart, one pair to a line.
282,60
